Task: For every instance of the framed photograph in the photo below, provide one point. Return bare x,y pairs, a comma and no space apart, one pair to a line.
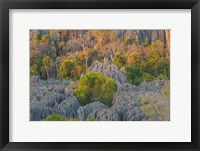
99,75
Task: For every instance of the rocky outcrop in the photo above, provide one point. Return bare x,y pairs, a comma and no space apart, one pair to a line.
151,35
156,85
158,34
57,37
108,115
68,107
128,99
110,70
90,110
127,103
167,33
51,96
134,114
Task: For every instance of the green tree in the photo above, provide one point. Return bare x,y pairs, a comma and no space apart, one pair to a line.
66,70
92,56
72,69
37,38
37,67
107,91
134,75
47,62
149,64
120,60
95,87
135,59
136,38
35,70
44,39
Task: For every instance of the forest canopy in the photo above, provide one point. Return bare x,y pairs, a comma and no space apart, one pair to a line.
67,54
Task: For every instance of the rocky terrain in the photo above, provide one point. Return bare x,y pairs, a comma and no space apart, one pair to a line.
151,35
54,96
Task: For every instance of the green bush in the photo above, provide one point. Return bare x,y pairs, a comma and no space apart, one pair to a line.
119,60
55,117
95,87
101,57
71,69
37,68
37,38
66,70
134,75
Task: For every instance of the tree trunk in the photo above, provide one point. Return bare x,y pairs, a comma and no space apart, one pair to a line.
86,58
47,72
57,76
86,61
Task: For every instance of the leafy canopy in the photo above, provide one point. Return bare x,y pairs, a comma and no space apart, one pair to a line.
149,64
96,87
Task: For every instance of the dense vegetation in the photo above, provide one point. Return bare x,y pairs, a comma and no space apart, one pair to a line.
95,87
66,54
149,64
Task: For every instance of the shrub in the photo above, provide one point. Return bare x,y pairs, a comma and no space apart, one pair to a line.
92,56
147,77
134,75
135,58
37,38
71,69
66,70
37,68
166,90
55,117
100,57
156,110
95,87
119,60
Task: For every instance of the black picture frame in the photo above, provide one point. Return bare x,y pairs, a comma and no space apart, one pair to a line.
5,5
